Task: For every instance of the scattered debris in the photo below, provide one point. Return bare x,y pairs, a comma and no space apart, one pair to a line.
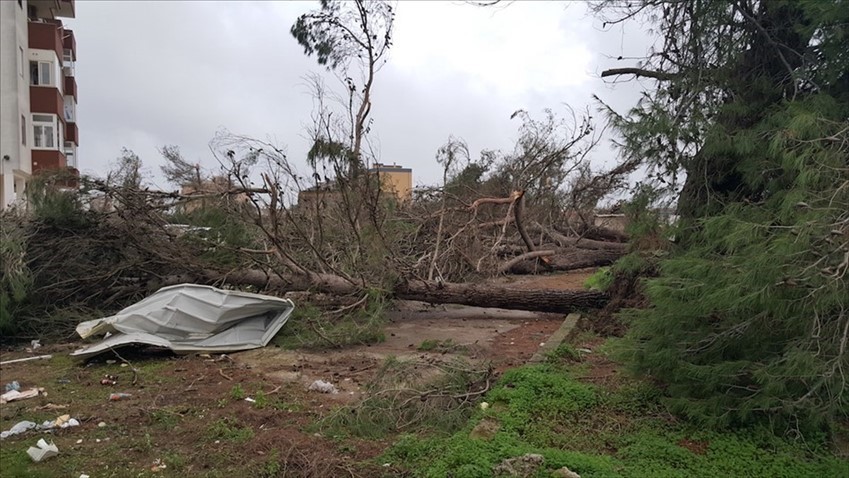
42,450
63,421
18,428
323,387
101,424
484,405
84,476
13,395
191,318
523,466
249,399
158,465
51,406
27,359
109,380
114,397
585,351
14,385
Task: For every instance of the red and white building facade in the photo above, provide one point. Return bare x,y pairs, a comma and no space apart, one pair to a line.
38,93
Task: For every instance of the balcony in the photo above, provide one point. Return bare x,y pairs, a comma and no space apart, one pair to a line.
71,87
72,133
45,160
69,43
53,8
46,36
46,99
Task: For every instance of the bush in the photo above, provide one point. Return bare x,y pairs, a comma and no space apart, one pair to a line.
748,320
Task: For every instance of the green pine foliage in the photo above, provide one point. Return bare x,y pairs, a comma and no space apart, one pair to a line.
750,318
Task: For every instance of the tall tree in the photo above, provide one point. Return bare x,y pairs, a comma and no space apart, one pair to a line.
749,317
345,34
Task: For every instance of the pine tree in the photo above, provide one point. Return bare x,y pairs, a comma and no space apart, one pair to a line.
750,315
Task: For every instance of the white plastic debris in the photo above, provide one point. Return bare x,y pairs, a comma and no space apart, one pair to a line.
35,344
19,428
484,405
84,476
323,387
249,399
42,450
13,395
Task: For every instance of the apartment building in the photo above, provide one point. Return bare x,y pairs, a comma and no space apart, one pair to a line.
395,179
38,93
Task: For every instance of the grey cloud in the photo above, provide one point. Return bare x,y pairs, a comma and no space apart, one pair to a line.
155,73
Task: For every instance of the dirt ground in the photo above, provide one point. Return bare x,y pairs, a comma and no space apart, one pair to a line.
191,413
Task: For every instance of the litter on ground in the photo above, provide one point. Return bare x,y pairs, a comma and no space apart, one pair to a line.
323,387
42,450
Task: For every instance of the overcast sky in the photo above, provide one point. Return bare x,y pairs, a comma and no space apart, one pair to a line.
157,73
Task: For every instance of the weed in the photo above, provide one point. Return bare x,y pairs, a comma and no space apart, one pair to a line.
175,461
564,352
597,432
260,400
165,417
600,280
237,392
229,429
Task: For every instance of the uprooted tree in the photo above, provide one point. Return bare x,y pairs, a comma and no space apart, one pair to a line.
749,318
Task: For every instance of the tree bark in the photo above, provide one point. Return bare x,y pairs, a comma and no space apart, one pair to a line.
434,292
487,295
567,261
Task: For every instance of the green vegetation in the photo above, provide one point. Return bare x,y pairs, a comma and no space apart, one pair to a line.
229,429
600,280
601,433
746,325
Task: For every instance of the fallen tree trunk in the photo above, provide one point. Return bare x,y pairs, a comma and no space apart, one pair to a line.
487,295
434,292
567,261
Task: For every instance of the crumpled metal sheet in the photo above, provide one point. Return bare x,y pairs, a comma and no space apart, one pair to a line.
191,318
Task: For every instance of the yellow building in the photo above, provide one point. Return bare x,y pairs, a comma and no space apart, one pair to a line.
395,179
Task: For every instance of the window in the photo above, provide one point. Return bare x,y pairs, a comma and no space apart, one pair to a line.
39,73
69,154
23,130
21,61
44,131
67,57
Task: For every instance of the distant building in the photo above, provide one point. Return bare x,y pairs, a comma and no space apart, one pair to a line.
38,93
395,179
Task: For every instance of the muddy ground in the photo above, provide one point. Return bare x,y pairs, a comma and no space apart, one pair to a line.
191,415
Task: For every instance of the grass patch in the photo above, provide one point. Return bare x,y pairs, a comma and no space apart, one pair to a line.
312,328
600,280
600,433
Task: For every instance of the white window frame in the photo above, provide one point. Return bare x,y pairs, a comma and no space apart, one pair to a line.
70,155
44,132
43,67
